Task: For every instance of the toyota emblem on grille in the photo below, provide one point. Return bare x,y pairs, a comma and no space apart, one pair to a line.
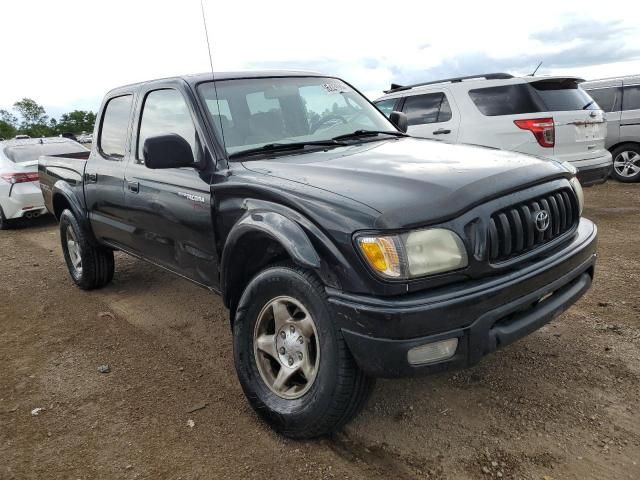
542,220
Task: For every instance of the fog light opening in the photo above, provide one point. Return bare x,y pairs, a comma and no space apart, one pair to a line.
432,352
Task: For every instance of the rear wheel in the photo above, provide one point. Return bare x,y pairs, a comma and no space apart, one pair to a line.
626,162
90,266
292,361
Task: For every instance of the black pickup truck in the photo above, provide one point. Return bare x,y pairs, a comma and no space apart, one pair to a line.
344,249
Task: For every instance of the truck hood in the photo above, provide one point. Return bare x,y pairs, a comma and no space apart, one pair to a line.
410,181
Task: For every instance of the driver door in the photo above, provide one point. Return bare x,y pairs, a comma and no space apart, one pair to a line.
171,208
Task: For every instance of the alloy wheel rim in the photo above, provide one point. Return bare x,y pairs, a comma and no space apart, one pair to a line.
74,250
627,163
286,347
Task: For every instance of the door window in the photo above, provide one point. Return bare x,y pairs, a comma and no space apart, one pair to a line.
386,106
631,98
165,112
115,123
608,99
428,108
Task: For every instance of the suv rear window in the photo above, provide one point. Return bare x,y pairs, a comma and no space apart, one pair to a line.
115,122
541,96
564,96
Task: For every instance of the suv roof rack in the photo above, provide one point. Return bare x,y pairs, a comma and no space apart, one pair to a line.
487,76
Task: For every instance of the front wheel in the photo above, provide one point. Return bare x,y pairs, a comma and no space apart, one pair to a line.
292,361
90,266
626,163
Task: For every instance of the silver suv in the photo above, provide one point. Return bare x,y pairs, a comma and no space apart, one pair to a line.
620,98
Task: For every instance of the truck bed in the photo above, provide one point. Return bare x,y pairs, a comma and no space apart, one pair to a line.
68,168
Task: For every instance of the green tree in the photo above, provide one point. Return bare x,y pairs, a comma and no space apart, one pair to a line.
34,118
77,121
8,124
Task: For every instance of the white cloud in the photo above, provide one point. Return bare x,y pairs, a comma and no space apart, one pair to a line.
67,54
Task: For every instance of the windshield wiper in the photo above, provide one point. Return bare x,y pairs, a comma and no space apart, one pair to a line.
588,104
370,133
281,147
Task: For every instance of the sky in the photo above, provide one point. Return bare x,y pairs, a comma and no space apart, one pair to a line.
66,54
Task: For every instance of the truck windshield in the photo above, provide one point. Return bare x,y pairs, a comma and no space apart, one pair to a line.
252,113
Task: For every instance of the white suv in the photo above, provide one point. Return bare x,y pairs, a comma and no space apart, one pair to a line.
551,117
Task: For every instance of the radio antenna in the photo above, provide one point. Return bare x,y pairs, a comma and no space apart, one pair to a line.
213,75
533,74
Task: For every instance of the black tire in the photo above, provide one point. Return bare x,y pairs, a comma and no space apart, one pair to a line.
340,389
97,263
4,223
632,152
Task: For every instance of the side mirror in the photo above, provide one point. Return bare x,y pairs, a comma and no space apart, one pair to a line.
167,151
400,120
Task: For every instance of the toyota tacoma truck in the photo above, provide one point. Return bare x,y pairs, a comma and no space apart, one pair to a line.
344,249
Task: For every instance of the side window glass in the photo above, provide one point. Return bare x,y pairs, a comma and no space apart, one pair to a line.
422,109
386,106
445,110
165,112
631,98
608,99
115,123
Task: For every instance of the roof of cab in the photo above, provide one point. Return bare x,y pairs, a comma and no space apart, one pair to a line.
195,78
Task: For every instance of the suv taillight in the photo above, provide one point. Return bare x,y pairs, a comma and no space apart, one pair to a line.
542,128
14,178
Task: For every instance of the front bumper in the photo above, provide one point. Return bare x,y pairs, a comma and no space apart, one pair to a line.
484,315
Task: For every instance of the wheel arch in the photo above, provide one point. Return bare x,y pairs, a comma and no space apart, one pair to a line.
635,143
278,237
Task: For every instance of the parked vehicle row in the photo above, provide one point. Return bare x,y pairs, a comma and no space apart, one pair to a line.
551,117
620,98
20,195
344,249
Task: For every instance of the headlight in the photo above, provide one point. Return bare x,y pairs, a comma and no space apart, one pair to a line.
575,183
414,254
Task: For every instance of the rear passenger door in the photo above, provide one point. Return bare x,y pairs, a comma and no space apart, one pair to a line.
104,173
630,118
432,115
171,208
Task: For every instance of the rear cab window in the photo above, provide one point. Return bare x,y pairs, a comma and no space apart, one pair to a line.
427,108
114,127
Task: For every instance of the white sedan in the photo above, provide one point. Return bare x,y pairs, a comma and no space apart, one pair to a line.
20,195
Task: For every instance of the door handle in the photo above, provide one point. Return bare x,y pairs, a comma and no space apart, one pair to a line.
442,131
133,186
91,177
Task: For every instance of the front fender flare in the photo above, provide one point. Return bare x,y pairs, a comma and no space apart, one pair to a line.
277,226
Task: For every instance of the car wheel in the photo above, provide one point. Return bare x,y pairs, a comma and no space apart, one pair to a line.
4,223
626,163
90,266
292,361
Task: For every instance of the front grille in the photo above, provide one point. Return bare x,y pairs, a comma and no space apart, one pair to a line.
519,228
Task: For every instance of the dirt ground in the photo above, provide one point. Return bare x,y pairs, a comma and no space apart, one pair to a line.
561,403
